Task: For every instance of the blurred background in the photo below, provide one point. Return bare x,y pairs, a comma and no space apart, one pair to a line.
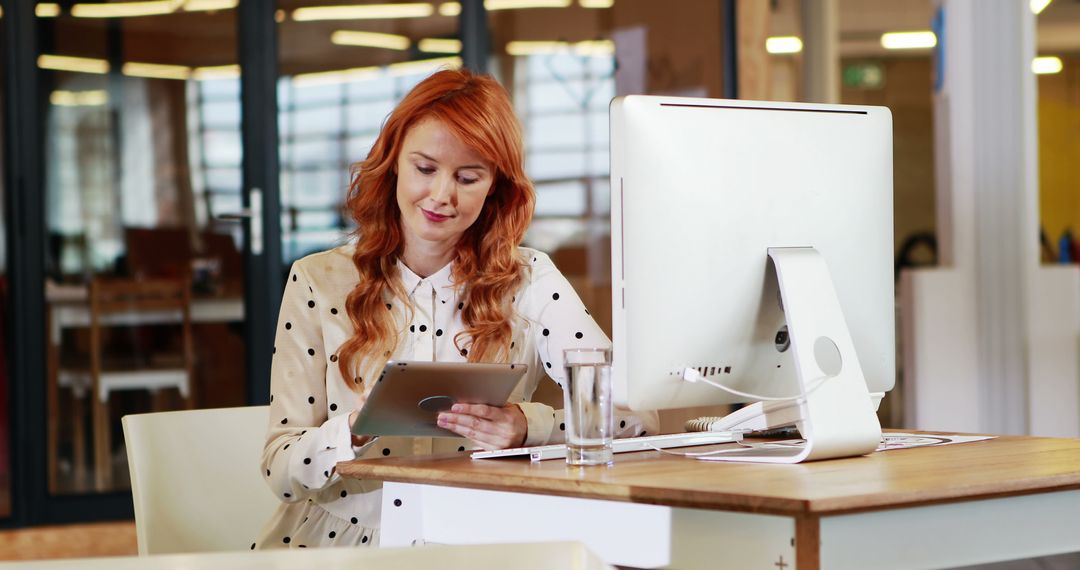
173,157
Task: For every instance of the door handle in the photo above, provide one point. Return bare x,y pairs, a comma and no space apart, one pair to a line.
253,214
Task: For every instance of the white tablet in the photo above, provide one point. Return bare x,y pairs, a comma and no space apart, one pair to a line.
408,396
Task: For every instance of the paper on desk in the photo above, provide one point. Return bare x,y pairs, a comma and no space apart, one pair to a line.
896,440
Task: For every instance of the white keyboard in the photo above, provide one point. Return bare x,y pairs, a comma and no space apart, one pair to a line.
624,445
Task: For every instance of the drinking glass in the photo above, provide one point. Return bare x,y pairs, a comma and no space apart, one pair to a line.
587,406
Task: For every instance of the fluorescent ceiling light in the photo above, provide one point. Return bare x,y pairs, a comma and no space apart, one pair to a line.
209,5
335,77
125,9
370,39
439,45
450,8
95,98
597,47
908,40
783,44
596,3
1046,65
363,12
76,64
156,70
47,10
424,65
216,72
1037,6
523,4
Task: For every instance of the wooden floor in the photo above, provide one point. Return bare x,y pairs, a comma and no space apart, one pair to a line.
69,541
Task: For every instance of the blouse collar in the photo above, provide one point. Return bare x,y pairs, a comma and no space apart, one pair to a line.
440,280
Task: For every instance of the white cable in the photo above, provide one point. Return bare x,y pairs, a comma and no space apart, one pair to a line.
692,375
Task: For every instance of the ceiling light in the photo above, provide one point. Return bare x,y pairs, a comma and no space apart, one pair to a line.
908,40
523,4
424,65
125,9
94,98
439,45
597,47
783,44
596,3
156,70
209,5
75,64
363,12
216,72
279,15
370,39
1046,65
450,8
335,77
594,47
47,10
1037,6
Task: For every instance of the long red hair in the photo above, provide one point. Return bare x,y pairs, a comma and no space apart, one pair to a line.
487,266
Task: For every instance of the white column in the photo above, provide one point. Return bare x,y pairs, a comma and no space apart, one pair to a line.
821,54
987,189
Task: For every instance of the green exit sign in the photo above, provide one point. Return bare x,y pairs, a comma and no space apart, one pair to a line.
869,75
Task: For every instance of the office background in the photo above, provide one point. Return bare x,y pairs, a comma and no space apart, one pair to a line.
136,136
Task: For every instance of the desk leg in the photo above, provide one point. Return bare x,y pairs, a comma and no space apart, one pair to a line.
808,543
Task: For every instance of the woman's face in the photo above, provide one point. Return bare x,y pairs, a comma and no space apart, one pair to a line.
441,184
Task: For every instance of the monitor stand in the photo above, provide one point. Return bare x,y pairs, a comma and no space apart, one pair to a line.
836,412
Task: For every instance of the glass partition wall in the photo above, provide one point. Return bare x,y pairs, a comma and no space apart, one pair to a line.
342,69
144,281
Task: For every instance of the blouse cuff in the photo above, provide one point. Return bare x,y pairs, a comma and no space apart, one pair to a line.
323,450
541,420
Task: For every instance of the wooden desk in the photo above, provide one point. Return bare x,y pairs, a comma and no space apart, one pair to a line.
931,507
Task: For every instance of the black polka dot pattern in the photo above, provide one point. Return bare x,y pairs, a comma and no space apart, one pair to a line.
333,311
288,326
332,534
311,304
333,407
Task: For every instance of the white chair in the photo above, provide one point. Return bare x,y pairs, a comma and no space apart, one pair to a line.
195,479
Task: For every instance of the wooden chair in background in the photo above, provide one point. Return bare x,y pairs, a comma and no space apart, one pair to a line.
126,303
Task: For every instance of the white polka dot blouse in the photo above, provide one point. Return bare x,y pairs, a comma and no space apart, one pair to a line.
310,402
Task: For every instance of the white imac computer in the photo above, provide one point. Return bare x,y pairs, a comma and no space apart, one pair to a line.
752,262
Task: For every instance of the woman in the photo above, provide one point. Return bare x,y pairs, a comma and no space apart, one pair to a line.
435,273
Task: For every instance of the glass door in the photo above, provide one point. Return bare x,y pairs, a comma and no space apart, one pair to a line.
5,328
142,152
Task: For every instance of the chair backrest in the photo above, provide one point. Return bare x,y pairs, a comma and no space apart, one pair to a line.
195,479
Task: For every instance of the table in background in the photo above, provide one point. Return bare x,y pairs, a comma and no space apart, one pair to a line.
1000,499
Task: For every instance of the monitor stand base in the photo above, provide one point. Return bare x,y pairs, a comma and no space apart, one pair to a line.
836,413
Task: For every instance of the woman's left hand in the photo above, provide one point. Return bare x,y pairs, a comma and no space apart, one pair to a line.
488,426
